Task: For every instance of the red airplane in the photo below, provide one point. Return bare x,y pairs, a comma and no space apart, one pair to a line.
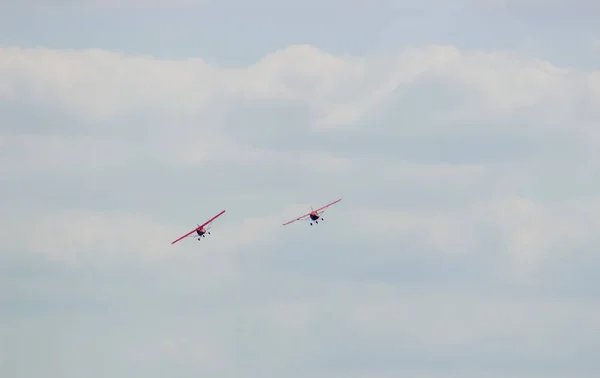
200,230
314,215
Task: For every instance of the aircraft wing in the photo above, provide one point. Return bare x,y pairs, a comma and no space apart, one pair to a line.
199,227
212,219
297,219
185,236
306,215
329,204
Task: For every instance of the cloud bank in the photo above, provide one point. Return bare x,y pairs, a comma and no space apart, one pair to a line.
464,243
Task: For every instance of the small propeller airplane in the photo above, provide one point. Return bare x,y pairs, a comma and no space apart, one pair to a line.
201,230
314,215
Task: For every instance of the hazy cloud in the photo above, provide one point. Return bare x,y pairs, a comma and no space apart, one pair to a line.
461,245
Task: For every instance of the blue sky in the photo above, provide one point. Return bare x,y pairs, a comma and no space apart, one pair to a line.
463,139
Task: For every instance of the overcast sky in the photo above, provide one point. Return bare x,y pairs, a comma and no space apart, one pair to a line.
464,140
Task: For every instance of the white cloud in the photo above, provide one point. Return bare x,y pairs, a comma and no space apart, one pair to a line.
305,325
137,150
97,84
187,100
72,236
30,153
526,231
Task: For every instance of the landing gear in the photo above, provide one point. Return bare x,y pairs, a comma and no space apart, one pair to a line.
317,221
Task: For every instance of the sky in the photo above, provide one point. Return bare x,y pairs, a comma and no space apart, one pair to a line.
462,138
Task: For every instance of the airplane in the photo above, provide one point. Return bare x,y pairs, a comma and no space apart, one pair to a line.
314,215
201,230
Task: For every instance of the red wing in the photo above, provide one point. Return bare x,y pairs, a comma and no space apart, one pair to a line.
212,219
330,204
297,219
306,215
185,236
199,227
